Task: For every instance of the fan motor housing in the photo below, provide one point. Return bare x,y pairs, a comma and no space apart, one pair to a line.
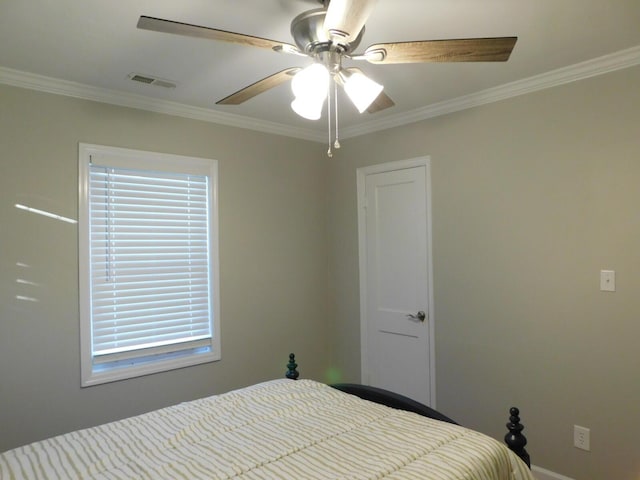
309,35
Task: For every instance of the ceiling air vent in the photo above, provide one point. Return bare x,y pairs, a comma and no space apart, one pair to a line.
147,80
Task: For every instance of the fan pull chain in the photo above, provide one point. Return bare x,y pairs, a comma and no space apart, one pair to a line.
336,144
329,152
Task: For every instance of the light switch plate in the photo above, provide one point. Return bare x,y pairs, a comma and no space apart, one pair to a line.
607,280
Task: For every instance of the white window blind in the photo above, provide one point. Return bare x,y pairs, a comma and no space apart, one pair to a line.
149,260
149,266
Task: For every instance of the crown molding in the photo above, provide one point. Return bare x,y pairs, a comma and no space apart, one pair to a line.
598,66
591,68
32,81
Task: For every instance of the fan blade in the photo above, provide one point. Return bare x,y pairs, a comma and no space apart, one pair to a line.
346,18
381,102
258,87
461,50
179,28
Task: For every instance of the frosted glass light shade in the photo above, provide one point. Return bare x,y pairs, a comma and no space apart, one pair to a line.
312,81
310,87
362,91
308,108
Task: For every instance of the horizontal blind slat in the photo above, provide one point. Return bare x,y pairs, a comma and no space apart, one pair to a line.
141,295
132,336
136,314
174,329
141,342
113,326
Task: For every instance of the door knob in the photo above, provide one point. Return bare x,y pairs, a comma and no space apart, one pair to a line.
418,316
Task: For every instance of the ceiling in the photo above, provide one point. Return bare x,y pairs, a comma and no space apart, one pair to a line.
95,44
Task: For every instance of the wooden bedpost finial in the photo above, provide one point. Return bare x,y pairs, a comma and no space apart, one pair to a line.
292,373
515,440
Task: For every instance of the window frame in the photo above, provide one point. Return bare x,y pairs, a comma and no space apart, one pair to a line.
93,373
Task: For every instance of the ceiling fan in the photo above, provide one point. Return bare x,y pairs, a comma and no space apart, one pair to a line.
329,35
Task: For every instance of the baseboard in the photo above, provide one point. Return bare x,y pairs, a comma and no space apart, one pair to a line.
544,474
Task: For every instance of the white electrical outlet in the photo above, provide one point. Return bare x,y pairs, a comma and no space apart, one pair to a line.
581,438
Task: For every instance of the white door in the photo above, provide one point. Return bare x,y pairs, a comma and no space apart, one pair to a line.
395,278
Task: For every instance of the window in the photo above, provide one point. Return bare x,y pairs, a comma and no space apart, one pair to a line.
148,259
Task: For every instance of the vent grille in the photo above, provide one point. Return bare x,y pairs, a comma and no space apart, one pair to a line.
148,80
141,79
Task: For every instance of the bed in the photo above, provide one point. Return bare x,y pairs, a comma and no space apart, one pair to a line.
279,429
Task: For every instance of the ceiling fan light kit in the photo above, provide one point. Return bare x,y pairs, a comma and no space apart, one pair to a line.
327,47
329,35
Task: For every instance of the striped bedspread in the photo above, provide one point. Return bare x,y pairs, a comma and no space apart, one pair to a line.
281,429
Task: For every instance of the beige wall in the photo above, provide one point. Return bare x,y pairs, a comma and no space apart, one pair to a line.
272,260
532,197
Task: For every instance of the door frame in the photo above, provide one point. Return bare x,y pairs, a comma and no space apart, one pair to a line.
361,175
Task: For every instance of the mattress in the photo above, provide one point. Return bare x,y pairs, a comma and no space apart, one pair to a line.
281,429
